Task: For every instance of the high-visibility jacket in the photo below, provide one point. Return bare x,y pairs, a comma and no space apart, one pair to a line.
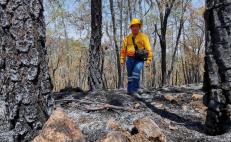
128,48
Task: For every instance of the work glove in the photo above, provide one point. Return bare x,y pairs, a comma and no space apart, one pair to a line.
147,63
122,61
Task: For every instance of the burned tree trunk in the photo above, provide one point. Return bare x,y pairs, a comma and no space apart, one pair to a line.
95,51
217,77
24,81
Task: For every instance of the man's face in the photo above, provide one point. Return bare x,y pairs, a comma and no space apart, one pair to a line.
135,29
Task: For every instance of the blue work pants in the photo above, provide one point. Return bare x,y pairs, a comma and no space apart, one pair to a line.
134,68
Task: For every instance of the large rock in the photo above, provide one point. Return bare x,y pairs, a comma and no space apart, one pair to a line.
144,130
150,129
115,136
198,106
113,125
169,98
197,97
174,99
60,128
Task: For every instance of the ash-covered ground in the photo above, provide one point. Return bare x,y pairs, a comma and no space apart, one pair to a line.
178,111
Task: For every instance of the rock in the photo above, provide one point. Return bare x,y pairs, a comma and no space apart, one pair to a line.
150,129
138,138
180,95
176,98
115,136
137,105
173,127
165,123
170,98
113,125
199,106
184,108
157,104
197,97
144,130
60,128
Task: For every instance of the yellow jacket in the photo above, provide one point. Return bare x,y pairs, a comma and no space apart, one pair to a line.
141,40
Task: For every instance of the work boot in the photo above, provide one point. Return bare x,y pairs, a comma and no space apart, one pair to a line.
129,93
140,91
136,94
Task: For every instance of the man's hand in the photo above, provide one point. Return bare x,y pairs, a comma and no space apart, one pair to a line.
121,62
147,63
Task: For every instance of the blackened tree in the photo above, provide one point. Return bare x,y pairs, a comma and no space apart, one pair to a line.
217,76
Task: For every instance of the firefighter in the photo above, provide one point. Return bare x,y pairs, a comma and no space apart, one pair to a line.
135,39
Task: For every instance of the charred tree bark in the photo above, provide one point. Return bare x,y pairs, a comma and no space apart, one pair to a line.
95,51
217,76
25,86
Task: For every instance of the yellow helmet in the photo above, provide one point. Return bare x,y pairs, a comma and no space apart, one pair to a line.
135,21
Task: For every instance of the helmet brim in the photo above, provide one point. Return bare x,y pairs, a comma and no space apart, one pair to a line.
130,25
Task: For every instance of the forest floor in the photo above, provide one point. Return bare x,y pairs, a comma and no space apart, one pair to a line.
178,111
